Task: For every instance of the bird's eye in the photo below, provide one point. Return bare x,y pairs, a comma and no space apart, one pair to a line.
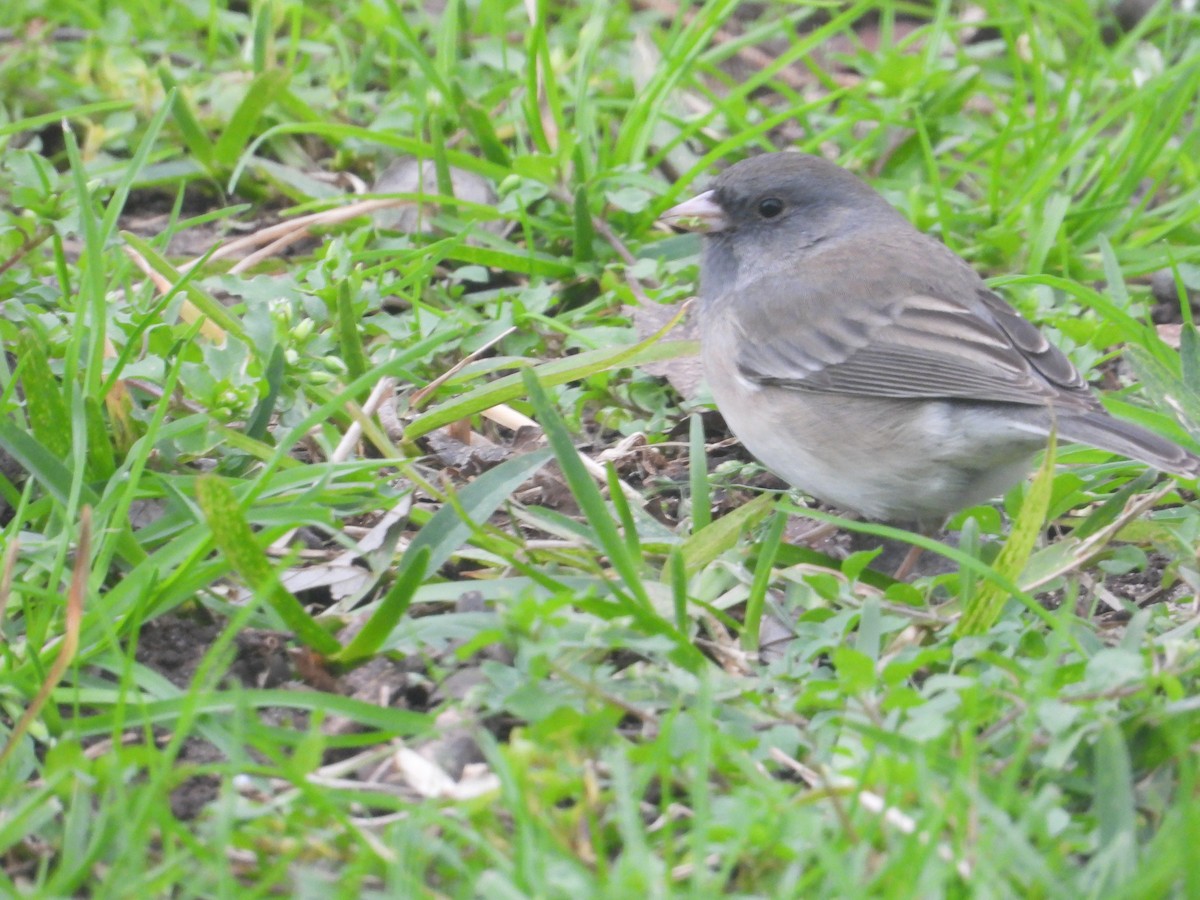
770,207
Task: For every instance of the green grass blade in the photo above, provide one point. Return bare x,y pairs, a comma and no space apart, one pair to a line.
260,94
201,299
195,138
585,232
236,542
350,332
763,569
451,525
560,371
620,503
675,571
45,406
991,597
260,418
49,470
391,608
586,494
1115,805
698,475
82,111
722,535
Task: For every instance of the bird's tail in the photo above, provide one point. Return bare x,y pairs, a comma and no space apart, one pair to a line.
1101,430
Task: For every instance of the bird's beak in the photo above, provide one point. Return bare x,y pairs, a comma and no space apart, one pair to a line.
701,213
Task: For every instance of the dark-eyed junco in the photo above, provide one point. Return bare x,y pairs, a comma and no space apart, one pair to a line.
865,362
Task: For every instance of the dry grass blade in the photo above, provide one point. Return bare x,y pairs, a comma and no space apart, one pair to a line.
380,392
187,309
1095,544
6,575
869,801
271,249
421,396
294,228
70,639
342,452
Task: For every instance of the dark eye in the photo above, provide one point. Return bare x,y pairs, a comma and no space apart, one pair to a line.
770,207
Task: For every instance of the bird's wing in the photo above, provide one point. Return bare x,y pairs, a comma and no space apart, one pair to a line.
916,347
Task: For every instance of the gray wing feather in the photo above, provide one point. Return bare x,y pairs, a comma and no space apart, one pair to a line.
917,346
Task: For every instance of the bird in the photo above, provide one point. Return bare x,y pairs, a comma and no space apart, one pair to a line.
866,363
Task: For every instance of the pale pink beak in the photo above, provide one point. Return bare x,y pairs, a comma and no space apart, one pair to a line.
701,213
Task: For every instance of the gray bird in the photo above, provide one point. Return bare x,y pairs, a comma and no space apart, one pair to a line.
865,362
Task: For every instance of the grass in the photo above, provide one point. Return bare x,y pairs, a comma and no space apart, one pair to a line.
264,634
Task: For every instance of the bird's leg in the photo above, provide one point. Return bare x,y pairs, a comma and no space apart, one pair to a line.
908,563
816,534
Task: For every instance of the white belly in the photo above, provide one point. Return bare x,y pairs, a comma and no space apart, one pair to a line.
896,460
